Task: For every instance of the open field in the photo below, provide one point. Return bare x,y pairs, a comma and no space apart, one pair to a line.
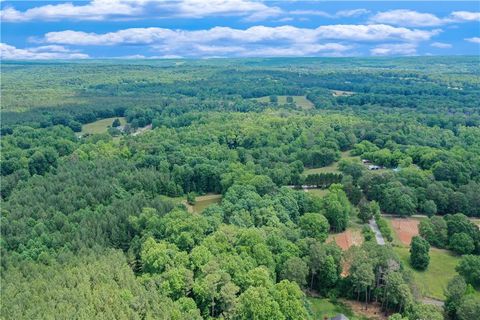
431,282
334,166
202,202
347,238
339,93
317,192
328,169
404,229
100,126
322,308
476,221
300,101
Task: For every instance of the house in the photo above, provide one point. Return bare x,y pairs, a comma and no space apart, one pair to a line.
340,316
374,167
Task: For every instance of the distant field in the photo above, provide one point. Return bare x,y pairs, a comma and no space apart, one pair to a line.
318,192
300,101
339,93
101,126
434,280
334,166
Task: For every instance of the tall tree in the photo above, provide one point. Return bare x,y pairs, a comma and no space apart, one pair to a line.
419,253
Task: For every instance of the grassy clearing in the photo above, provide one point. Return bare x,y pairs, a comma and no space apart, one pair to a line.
322,308
328,169
432,282
318,192
345,155
396,240
300,101
101,126
339,93
202,202
476,221
303,102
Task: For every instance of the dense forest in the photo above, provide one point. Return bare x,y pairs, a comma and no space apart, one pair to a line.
100,225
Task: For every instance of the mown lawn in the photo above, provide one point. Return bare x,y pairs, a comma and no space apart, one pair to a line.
101,126
434,280
322,308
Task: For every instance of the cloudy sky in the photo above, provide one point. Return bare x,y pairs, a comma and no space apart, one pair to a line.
236,28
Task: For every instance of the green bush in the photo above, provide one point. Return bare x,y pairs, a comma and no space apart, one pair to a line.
368,234
384,228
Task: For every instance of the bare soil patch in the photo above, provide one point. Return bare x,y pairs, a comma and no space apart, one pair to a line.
405,229
374,311
347,238
202,202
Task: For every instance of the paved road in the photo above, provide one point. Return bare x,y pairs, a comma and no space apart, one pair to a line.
378,235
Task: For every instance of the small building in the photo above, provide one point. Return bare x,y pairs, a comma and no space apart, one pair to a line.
340,316
364,161
374,167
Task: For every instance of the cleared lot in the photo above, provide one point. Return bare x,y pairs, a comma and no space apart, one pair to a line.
347,238
405,229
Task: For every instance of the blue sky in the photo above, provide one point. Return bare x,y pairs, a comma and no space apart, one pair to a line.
236,28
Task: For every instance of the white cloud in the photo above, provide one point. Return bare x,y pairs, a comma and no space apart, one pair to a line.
328,49
311,13
133,57
95,10
410,18
202,8
441,45
460,16
264,14
351,13
407,18
254,34
374,32
473,40
39,53
254,41
141,56
134,9
338,14
394,49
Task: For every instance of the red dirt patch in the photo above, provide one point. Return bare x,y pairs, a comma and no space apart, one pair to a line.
346,239
405,229
374,311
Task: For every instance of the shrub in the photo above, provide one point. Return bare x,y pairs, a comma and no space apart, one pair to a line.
384,228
